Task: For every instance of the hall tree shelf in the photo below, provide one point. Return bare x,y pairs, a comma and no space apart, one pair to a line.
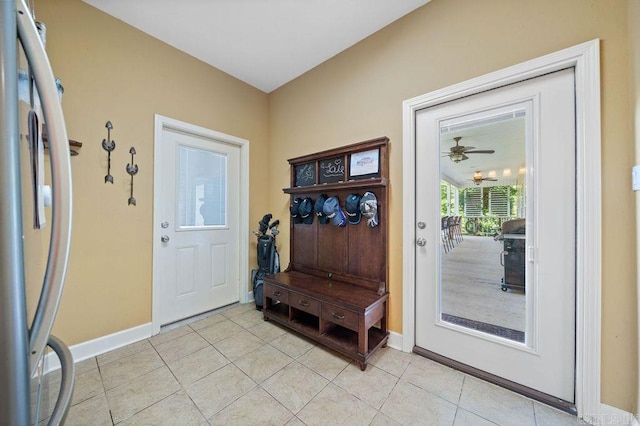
335,289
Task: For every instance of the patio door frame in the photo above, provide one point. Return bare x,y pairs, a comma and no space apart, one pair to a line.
585,59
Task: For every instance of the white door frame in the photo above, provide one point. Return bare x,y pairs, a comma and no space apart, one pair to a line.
585,58
162,123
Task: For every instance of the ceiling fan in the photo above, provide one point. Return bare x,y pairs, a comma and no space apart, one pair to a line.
459,153
478,179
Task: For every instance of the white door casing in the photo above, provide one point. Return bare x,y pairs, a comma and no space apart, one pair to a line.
545,361
585,60
203,264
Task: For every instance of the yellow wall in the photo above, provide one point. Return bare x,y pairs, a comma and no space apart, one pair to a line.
111,71
634,62
358,95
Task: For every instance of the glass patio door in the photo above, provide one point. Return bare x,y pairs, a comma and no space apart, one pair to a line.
495,271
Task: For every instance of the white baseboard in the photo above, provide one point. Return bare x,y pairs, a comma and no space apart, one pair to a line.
613,416
395,340
98,346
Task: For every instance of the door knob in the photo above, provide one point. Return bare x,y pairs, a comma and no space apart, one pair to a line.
164,238
164,225
421,242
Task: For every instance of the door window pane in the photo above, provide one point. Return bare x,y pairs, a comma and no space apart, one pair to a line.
482,260
202,188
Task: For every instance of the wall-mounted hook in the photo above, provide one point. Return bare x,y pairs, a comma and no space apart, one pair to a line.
132,169
108,145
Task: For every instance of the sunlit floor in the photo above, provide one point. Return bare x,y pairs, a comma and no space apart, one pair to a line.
234,368
471,285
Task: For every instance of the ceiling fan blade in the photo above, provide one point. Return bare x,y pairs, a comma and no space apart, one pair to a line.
491,179
481,151
464,157
465,148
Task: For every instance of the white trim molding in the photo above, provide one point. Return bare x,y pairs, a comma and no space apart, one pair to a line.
100,345
585,59
614,416
395,340
162,123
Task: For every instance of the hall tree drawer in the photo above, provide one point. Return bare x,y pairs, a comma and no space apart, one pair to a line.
340,316
305,303
276,294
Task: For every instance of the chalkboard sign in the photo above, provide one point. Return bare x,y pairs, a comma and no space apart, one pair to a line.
331,170
305,174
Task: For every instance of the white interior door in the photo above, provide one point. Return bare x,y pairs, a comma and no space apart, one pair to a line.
525,334
198,259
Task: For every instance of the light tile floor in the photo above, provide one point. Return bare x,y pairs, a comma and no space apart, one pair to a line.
234,368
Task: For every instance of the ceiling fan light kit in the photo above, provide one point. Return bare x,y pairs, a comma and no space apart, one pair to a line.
459,152
478,179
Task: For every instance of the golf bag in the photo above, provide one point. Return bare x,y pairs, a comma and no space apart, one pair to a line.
268,258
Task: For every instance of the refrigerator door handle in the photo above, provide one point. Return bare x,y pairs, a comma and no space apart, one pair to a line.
61,182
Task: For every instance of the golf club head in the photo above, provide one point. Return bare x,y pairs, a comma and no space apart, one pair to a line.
264,223
274,224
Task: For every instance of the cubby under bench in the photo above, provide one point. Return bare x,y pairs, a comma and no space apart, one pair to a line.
347,318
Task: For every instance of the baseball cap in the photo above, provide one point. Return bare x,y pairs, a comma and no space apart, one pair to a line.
322,218
294,210
352,206
369,208
305,211
333,211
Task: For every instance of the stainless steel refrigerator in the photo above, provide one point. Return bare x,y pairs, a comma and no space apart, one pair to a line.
23,340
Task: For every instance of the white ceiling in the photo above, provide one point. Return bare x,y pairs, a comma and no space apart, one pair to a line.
265,43
506,136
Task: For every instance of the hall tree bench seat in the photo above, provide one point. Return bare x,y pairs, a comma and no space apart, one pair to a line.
337,314
334,290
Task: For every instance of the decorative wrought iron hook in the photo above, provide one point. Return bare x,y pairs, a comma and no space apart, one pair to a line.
132,169
108,145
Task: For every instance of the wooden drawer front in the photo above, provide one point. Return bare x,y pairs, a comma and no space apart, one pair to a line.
340,316
305,303
276,293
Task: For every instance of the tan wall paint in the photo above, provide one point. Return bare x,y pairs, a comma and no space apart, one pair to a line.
634,62
358,95
114,72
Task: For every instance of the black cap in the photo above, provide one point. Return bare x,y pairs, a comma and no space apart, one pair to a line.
294,210
322,218
305,211
352,206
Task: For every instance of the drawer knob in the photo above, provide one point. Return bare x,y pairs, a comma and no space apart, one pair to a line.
304,303
277,294
336,316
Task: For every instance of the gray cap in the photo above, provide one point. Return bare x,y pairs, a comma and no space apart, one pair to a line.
333,211
369,208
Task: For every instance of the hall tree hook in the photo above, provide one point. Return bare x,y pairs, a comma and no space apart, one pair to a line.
108,145
132,169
